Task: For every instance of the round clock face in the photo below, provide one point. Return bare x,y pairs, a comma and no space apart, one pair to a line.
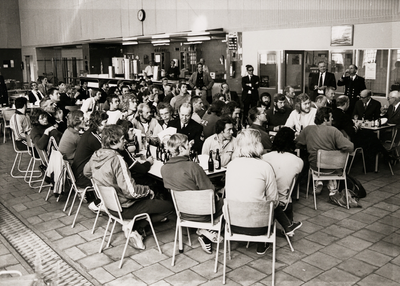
141,15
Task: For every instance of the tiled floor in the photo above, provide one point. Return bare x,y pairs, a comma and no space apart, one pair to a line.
335,246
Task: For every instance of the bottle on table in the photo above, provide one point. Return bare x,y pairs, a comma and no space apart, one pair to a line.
148,153
373,122
158,152
210,163
217,160
196,158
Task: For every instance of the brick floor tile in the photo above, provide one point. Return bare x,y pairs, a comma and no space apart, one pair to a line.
101,275
90,247
287,256
51,215
95,261
373,257
354,243
391,221
186,277
282,279
128,266
68,230
206,269
87,234
196,254
393,238
339,251
3,249
75,253
218,282
337,213
7,260
52,235
374,279
127,280
322,260
306,246
153,273
19,207
161,283
150,257
32,212
309,227
337,277
389,249
303,271
245,275
115,252
387,205
375,211
365,218
69,241
390,271
49,225
34,220
337,231
322,238
357,267
323,221
369,235
381,228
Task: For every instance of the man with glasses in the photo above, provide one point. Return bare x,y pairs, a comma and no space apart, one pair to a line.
354,84
250,85
393,112
367,107
259,118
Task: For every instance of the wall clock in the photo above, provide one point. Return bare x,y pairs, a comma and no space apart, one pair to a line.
141,15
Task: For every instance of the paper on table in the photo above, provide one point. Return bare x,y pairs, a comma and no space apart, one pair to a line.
167,132
203,161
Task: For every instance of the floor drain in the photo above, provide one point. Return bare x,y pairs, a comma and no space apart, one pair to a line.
28,244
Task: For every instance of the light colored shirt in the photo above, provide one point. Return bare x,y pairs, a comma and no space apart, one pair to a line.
113,116
296,120
225,148
20,124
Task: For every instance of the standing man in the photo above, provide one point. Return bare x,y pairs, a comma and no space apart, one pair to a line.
393,112
250,85
367,107
149,70
319,81
173,71
185,125
202,81
354,84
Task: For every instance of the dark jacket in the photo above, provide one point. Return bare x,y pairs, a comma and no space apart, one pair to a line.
372,111
255,84
329,80
193,130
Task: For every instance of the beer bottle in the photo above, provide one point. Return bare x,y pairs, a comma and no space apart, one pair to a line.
210,163
218,160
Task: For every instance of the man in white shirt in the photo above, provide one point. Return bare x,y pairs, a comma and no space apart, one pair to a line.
114,113
303,114
149,70
20,123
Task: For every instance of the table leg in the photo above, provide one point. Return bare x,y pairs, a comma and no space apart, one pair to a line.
377,155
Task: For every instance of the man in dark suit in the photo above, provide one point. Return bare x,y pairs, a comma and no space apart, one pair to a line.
250,85
330,97
226,95
393,112
185,125
354,84
319,81
366,107
3,92
35,95
290,97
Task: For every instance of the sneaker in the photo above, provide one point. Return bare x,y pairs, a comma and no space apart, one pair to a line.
318,187
136,240
95,208
84,198
205,244
262,247
210,234
332,192
292,228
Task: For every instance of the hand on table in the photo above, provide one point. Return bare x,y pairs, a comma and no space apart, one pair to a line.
151,194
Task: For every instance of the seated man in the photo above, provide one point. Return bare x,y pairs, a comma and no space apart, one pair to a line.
232,110
320,101
222,140
113,113
330,97
90,104
185,125
169,95
303,114
56,115
146,123
20,123
367,107
258,116
323,136
182,97
182,174
265,101
278,114
286,165
393,112
198,109
165,113
226,95
212,115
35,95
107,168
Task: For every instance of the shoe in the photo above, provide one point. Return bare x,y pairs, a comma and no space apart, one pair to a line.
210,234
95,208
292,228
205,244
262,247
318,187
332,192
136,240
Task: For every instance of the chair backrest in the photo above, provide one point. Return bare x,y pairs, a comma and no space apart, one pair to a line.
109,198
332,159
249,214
39,154
194,202
70,173
289,194
7,114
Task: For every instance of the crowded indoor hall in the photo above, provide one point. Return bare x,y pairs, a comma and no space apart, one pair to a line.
260,138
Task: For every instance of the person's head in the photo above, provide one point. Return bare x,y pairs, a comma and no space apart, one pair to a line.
352,70
144,112
265,99
164,81
347,72
168,89
174,89
48,105
96,94
62,87
113,137
320,101
97,120
284,141
224,128
216,107
183,88
224,88
21,102
39,117
185,113
197,103
151,63
343,102
104,85
54,94
365,95
231,109
34,85
258,115
323,116
84,84
249,69
202,61
289,92
303,103
394,97
165,111
129,130
178,145
42,80
200,67
248,144
113,101
124,89
172,63
279,102
330,92
75,119
322,67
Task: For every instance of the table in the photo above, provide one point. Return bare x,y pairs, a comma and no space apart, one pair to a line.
377,131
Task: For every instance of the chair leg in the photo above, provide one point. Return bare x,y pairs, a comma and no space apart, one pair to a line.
97,217
68,197
289,242
176,237
351,163
123,252
217,252
77,210
224,269
315,196
112,231
298,191
104,236
73,202
363,159
390,167
188,234
273,257
154,233
18,158
347,193
308,183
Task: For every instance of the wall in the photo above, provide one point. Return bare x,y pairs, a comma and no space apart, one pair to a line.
10,30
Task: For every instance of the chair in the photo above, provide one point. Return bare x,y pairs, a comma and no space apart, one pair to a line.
332,160
353,155
35,157
18,157
392,147
109,197
7,114
77,191
56,167
196,202
101,206
249,214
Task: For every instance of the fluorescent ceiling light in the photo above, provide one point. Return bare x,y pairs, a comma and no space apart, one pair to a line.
130,39
161,36
161,44
198,33
196,39
161,41
192,43
130,43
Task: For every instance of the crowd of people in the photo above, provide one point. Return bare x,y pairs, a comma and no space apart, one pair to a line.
254,135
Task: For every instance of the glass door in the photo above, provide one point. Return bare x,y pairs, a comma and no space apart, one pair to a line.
294,62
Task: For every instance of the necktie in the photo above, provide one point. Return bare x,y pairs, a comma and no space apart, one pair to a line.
320,80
